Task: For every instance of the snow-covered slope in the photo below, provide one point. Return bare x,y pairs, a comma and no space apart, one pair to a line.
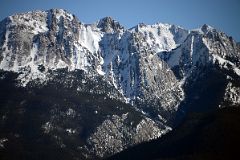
161,37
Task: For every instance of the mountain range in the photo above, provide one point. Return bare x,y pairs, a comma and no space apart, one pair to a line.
89,91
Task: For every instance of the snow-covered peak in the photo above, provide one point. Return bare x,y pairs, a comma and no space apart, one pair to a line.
142,26
109,25
22,18
33,21
39,21
206,28
61,13
205,46
161,36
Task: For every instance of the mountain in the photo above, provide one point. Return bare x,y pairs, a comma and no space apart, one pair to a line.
92,90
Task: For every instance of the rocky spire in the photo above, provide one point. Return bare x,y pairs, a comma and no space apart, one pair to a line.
109,25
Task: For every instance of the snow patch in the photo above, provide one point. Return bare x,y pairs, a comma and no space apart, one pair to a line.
100,72
90,38
158,36
2,141
237,71
70,131
47,127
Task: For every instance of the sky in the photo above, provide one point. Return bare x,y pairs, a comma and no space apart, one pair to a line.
223,15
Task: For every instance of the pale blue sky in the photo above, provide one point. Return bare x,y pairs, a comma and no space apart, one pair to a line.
221,14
